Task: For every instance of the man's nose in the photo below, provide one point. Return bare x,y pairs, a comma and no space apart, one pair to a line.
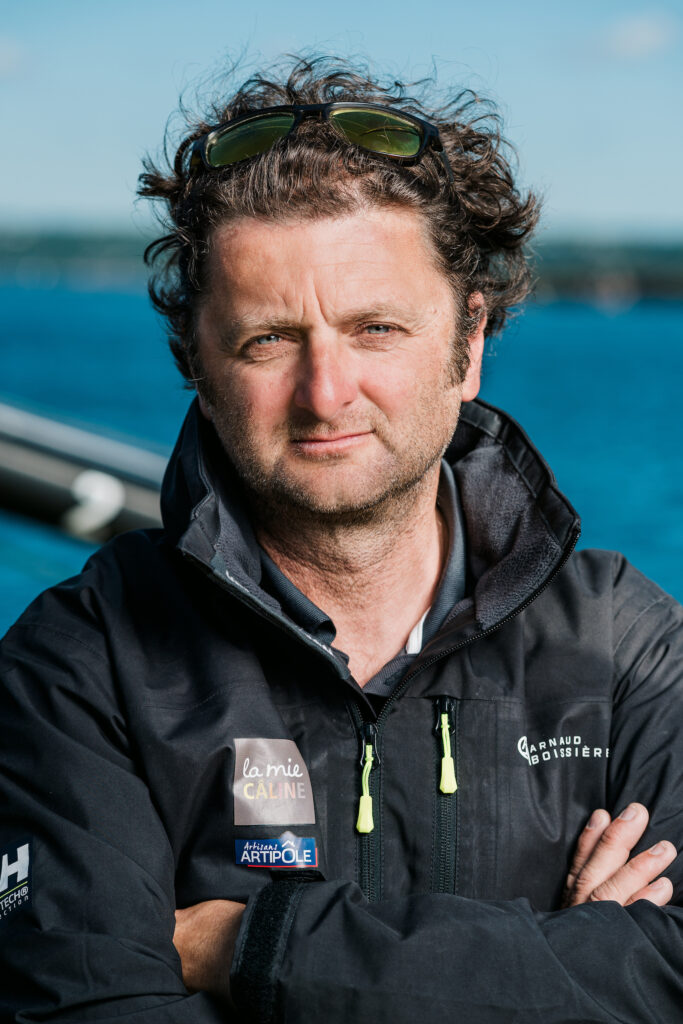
326,380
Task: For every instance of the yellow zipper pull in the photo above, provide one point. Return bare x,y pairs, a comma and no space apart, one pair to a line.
365,822
448,782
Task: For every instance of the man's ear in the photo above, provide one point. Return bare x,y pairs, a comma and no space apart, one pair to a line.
204,407
475,341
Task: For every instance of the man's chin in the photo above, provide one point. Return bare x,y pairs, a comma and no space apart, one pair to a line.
301,504
352,505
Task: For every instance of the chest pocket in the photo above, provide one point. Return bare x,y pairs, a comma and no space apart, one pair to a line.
543,770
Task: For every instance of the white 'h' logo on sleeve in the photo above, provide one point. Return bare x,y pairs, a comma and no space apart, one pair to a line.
19,867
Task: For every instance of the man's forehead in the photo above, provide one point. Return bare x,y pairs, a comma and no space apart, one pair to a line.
379,258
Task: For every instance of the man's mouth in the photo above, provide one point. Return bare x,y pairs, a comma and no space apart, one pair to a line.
332,444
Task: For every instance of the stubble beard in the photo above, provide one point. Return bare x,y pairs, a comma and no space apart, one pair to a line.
275,495
279,494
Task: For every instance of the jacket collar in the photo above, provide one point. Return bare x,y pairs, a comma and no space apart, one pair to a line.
520,528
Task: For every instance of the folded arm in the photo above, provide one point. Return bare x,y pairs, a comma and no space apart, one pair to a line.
602,869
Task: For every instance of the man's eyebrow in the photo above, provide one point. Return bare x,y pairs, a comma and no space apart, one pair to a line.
382,311
250,323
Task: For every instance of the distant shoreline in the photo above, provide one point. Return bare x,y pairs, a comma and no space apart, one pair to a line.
609,273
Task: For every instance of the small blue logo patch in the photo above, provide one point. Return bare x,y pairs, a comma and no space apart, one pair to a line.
287,851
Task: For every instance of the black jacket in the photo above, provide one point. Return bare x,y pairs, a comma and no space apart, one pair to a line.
169,737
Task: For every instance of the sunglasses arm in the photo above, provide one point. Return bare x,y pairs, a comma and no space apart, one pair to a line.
437,146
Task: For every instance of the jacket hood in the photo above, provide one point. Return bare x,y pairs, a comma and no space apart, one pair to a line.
520,527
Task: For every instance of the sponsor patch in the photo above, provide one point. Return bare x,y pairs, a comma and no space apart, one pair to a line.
287,851
271,784
15,878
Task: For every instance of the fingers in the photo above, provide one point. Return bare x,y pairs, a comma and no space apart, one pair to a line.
659,892
588,840
611,852
607,873
634,880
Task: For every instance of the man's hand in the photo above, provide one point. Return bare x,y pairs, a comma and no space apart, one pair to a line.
601,869
205,937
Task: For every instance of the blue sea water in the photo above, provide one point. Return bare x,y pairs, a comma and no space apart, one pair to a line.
598,390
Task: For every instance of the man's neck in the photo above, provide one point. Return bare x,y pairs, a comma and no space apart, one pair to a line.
375,579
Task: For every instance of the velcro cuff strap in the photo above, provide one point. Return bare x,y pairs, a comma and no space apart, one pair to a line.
261,947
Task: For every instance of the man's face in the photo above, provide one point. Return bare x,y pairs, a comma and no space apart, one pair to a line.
326,348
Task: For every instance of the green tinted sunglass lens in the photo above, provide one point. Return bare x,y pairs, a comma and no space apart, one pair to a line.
248,138
378,131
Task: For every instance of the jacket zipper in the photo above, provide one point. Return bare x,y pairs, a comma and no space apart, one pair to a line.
369,842
365,823
443,866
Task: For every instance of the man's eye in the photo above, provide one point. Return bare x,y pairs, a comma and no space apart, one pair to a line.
263,346
379,328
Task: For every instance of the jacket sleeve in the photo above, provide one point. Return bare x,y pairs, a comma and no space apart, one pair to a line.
92,937
318,950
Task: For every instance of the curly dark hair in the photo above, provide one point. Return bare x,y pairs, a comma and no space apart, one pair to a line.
479,223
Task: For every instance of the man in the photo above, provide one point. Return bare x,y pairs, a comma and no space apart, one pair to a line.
363,690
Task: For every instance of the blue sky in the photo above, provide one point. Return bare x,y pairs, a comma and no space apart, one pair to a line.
591,94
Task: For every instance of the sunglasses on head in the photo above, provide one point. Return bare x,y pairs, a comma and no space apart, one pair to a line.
378,129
